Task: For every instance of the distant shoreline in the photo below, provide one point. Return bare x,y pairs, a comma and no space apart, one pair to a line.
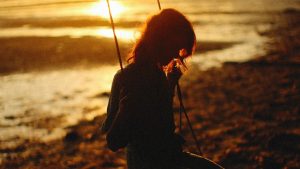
25,54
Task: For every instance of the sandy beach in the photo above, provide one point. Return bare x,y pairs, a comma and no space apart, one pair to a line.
245,115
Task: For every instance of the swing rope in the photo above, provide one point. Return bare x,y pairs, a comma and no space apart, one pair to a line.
182,108
115,36
159,6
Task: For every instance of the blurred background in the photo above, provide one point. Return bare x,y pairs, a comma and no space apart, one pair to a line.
58,58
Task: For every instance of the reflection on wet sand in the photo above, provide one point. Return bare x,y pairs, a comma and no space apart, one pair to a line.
40,105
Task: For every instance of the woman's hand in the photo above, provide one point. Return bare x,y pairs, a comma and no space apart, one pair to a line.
173,72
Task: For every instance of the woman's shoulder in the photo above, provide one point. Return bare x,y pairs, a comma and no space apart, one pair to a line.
137,74
131,71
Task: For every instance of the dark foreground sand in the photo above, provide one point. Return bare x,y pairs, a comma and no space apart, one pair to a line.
246,116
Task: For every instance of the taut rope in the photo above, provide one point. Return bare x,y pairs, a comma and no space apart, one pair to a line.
182,109
158,2
115,36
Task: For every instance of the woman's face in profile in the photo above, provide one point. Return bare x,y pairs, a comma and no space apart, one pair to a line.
172,49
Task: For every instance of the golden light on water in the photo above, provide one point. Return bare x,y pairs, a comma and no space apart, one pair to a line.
100,8
129,35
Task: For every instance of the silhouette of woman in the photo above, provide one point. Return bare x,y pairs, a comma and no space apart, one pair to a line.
140,113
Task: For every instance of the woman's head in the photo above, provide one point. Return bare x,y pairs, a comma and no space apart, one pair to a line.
163,36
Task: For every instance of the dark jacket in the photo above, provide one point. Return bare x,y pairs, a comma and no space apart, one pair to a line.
140,116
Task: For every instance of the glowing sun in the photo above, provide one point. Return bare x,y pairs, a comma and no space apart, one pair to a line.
100,8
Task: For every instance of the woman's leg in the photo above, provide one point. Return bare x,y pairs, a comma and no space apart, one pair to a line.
194,161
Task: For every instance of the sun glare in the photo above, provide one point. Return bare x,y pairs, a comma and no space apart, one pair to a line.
128,35
100,8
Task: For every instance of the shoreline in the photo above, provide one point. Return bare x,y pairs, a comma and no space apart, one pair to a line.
59,53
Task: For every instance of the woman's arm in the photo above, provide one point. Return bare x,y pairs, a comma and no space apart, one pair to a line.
120,131
119,113
116,124
113,103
